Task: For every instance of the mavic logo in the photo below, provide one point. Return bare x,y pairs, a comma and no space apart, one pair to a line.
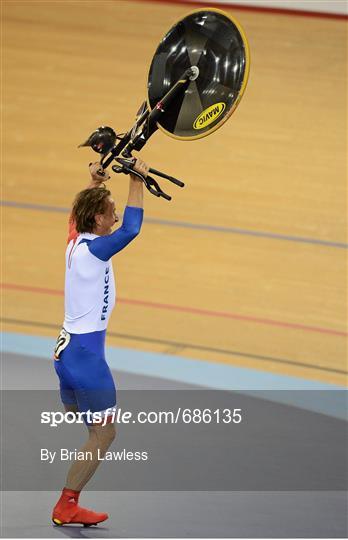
209,115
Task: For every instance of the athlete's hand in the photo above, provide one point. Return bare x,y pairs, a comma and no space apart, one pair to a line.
98,174
141,167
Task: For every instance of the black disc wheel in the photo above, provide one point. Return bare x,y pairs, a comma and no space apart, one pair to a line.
212,41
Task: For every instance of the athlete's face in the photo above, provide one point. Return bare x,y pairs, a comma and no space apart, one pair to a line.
108,219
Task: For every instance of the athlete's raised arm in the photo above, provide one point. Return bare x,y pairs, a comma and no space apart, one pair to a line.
108,243
135,195
98,177
104,221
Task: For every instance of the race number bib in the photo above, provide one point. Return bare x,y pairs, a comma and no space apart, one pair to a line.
61,344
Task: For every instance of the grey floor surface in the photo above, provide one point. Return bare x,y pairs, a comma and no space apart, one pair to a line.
184,515
298,514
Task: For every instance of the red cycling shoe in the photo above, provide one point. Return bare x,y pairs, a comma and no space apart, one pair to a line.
67,511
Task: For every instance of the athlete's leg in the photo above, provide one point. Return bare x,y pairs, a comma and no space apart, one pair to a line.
67,509
86,386
71,407
99,440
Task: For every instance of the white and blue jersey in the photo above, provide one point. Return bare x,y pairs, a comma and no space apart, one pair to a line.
89,287
90,295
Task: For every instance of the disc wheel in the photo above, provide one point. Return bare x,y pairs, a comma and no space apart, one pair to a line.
214,42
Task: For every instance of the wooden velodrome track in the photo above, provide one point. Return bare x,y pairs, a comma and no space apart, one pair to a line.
250,268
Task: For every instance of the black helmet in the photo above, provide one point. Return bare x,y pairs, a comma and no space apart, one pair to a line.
101,140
